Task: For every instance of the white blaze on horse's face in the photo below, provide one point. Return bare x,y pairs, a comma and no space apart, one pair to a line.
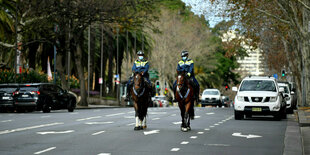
136,76
179,77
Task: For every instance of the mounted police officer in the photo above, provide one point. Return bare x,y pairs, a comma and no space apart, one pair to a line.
187,65
141,65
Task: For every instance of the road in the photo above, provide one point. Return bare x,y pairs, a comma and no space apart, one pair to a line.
110,131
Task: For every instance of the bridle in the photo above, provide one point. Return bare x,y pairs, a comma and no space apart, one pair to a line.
181,87
139,82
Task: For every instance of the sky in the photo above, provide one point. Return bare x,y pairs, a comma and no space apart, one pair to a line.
212,12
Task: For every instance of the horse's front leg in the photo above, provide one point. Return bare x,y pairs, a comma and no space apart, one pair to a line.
136,116
144,123
182,109
187,118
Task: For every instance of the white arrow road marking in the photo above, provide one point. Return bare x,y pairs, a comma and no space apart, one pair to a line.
45,116
155,119
83,119
246,136
184,142
6,121
218,145
55,132
197,117
210,113
150,132
131,124
97,133
114,114
28,128
91,123
175,149
177,123
49,149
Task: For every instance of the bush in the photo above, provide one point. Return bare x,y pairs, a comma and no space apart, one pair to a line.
8,76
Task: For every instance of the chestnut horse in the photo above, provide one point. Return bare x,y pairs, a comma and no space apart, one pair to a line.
184,95
140,95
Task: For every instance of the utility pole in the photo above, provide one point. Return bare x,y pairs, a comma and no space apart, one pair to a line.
101,63
117,69
55,54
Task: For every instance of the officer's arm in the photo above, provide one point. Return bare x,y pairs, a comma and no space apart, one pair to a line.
134,67
146,68
191,68
178,68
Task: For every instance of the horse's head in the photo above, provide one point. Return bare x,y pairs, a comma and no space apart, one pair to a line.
181,79
138,80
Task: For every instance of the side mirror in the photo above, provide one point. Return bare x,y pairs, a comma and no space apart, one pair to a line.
234,89
281,89
292,93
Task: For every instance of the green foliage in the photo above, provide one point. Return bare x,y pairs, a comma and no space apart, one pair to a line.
8,76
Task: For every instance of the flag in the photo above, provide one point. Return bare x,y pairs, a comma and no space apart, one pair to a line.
49,72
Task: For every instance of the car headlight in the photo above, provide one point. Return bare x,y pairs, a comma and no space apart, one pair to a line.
240,98
273,99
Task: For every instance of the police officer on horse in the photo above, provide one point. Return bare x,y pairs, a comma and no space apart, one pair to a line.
187,65
141,65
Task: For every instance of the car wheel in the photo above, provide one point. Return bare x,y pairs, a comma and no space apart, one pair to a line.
71,106
238,115
46,108
278,116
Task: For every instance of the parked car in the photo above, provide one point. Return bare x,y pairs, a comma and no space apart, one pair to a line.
211,97
160,101
43,96
259,96
287,96
6,96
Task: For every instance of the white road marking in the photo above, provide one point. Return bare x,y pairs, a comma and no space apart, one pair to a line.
184,142
131,124
83,119
129,116
197,117
45,116
155,119
220,122
173,115
131,112
74,113
175,149
218,145
91,123
216,124
193,137
210,113
211,126
114,114
6,121
104,154
55,132
157,113
97,110
177,123
49,149
28,128
200,133
207,129
151,132
97,133
246,136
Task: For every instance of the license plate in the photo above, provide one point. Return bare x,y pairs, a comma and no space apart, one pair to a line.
24,95
257,109
5,98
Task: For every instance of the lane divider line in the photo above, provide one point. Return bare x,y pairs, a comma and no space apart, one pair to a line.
97,133
28,128
46,150
84,119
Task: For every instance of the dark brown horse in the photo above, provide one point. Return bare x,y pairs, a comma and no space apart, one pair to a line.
184,95
139,94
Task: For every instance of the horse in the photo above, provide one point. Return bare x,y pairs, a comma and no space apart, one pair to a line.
140,95
185,96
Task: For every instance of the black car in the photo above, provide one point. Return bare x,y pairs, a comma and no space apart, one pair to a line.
6,96
44,96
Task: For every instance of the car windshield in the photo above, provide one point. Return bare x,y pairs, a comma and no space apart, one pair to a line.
28,89
285,89
211,93
7,89
258,85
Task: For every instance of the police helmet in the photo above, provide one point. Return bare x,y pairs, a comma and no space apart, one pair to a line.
140,52
184,53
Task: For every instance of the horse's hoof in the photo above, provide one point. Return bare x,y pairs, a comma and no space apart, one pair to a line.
136,128
189,128
184,129
144,127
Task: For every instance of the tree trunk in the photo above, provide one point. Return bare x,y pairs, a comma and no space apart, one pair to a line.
80,70
110,73
61,70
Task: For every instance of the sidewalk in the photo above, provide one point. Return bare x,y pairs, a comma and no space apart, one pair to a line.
304,125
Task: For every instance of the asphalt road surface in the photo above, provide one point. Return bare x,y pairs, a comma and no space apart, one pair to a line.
110,131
